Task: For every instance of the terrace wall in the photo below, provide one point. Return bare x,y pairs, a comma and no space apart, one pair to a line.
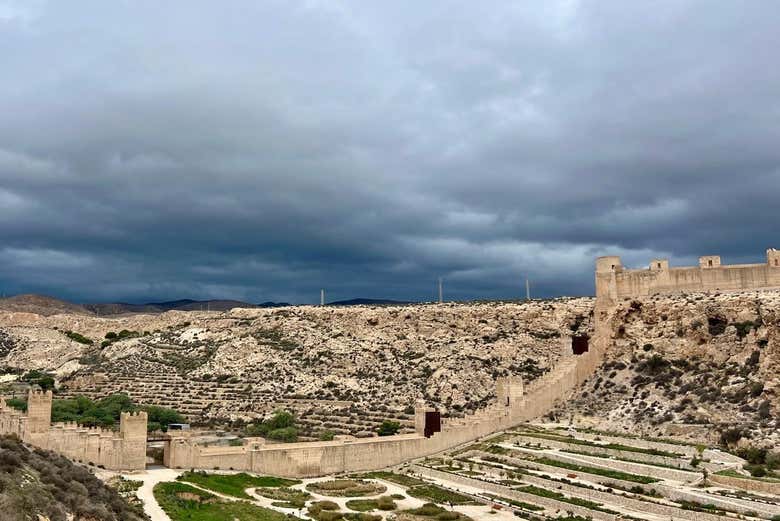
624,454
495,488
751,485
668,491
623,466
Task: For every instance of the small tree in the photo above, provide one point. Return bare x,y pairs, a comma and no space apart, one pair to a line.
389,428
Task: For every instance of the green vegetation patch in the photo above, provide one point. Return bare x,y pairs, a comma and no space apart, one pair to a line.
542,492
440,495
291,497
365,505
288,504
612,446
274,339
346,488
280,427
615,474
235,484
514,502
106,411
735,474
78,337
183,502
352,516
400,479
112,336
683,465
324,511
430,510
389,428
43,380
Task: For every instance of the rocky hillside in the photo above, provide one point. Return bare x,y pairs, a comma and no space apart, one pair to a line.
705,365
40,485
247,361
41,305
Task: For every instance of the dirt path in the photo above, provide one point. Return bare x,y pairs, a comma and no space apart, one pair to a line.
150,478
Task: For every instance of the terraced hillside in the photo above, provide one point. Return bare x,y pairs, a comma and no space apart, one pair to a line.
704,365
531,472
343,369
548,473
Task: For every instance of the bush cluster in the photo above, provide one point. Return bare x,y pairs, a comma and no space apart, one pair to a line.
280,427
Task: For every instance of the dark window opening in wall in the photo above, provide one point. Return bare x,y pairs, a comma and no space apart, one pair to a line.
659,264
432,423
613,266
579,344
507,401
709,263
776,262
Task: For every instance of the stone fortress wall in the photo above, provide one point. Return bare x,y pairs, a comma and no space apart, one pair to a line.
125,450
515,404
614,282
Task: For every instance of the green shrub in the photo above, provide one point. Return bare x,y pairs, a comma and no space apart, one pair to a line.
44,380
77,337
106,411
17,403
234,484
389,428
346,488
183,502
280,427
438,494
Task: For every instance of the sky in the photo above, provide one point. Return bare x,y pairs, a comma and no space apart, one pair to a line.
261,150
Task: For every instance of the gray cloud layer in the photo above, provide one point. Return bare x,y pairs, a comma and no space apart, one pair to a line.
262,150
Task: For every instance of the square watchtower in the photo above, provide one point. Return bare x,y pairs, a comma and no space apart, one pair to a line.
39,411
709,261
773,258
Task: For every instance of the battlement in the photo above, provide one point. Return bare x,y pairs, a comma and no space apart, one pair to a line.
133,424
614,282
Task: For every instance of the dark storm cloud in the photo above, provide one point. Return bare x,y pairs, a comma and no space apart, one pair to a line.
262,150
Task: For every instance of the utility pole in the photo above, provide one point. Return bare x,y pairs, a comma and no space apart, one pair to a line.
441,293
322,297
527,289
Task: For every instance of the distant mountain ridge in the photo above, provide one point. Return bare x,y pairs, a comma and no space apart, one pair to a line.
47,306
177,305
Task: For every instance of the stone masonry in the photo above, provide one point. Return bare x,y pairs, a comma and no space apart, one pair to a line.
614,282
123,451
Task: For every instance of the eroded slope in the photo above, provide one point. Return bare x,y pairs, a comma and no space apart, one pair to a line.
702,365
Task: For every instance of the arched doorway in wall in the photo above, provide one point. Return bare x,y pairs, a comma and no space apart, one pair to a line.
579,344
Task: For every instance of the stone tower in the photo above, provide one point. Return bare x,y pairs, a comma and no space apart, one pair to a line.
509,390
132,430
39,411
